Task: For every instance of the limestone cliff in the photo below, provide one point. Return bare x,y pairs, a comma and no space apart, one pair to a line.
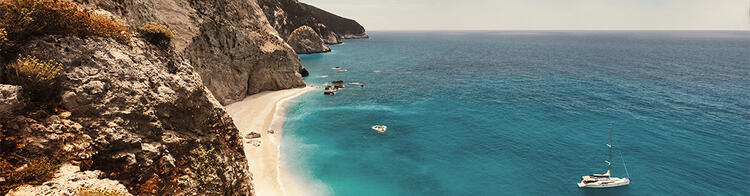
145,117
229,42
287,15
139,114
304,40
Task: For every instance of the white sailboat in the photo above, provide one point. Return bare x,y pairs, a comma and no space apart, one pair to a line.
605,180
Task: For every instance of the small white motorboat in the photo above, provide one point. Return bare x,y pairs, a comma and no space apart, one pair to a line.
605,180
380,128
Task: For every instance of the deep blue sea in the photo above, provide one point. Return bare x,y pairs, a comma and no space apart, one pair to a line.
526,113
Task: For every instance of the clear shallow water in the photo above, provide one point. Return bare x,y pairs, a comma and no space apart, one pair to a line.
516,112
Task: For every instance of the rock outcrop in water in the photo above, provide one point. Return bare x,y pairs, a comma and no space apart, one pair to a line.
229,42
304,40
287,15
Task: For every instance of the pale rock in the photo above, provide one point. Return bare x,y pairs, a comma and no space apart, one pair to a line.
149,104
68,181
11,99
304,40
229,43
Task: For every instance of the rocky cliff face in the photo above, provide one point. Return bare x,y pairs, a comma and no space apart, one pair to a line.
304,40
139,114
10,99
69,182
287,15
147,118
229,42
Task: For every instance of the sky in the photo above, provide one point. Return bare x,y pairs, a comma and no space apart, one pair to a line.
543,14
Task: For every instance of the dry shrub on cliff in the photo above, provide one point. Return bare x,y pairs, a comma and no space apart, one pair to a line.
35,172
85,191
38,78
3,39
156,33
25,18
206,169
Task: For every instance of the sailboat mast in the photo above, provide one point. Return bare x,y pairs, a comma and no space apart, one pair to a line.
610,148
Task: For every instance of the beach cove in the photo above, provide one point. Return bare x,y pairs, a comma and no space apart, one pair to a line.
263,113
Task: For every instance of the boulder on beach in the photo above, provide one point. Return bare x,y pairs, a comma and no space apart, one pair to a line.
252,135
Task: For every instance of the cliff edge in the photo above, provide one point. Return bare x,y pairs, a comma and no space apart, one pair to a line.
287,15
229,42
137,113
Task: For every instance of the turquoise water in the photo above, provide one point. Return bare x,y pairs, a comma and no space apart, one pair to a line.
526,113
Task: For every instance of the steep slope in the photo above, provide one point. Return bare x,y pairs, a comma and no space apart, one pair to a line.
229,42
287,15
139,114
146,116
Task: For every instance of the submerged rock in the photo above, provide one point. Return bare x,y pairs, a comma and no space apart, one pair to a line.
304,40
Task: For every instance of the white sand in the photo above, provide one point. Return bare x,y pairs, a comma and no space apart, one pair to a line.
259,113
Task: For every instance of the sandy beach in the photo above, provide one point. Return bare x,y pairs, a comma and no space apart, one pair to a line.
260,113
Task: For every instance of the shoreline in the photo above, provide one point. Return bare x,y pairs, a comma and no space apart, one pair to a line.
259,113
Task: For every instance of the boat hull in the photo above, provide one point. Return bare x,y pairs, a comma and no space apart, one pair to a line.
605,183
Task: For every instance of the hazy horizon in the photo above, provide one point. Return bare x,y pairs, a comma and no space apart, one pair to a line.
441,15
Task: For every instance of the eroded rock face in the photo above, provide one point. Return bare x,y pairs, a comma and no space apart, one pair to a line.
304,40
287,15
69,180
329,37
10,99
229,42
56,136
147,116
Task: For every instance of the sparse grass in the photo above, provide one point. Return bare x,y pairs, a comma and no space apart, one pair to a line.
36,172
156,33
206,169
22,19
37,77
85,191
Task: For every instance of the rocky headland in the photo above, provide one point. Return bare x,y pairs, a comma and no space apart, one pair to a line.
116,112
304,40
287,15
